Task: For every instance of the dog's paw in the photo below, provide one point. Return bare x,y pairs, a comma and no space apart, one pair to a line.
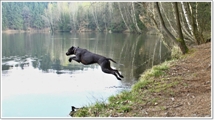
69,59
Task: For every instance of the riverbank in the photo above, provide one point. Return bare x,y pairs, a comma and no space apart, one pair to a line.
175,88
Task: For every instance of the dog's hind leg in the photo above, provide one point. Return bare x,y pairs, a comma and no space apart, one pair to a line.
118,73
105,70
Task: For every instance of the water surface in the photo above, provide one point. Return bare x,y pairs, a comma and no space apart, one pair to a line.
38,80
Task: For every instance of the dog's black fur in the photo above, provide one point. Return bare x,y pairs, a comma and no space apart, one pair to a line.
86,57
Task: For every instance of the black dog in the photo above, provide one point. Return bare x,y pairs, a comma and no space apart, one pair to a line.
86,57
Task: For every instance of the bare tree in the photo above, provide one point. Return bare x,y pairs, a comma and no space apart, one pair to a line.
179,41
172,28
186,18
122,16
134,19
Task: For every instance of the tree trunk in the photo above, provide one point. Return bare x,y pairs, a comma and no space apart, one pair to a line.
134,19
186,18
183,46
175,33
122,15
194,26
163,24
180,43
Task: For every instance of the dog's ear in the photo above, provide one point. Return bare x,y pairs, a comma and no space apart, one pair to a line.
78,47
72,47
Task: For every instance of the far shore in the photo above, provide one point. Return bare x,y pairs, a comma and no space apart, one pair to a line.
47,30
11,31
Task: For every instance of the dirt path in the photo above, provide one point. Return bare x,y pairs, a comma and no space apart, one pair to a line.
192,96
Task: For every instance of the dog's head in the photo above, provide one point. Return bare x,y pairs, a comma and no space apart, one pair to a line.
71,51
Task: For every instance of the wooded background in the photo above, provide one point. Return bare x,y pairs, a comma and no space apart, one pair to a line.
182,22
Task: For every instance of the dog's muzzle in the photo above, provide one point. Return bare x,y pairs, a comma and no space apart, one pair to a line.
67,54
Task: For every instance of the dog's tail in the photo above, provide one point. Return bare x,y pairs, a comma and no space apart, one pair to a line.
111,60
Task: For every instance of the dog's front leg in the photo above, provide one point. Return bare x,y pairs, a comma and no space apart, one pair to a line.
76,58
70,59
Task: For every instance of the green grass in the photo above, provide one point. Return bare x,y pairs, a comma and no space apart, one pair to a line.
124,108
176,53
81,113
147,77
155,71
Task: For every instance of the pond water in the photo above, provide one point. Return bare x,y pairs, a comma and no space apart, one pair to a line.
39,81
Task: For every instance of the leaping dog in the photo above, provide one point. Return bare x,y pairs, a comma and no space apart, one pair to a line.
86,57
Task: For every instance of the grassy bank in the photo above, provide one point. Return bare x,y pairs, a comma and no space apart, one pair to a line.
168,89
127,102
